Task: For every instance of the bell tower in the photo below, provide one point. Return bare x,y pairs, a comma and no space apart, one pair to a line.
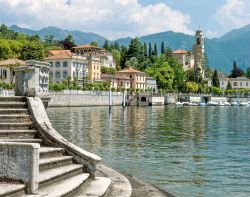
199,54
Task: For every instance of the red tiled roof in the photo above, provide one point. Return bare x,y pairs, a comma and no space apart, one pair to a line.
130,70
86,47
59,54
116,76
180,51
12,62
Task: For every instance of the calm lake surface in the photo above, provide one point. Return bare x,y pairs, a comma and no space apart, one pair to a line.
189,151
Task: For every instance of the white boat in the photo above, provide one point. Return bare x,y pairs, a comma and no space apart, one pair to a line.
221,104
212,103
179,104
234,103
202,104
227,103
243,104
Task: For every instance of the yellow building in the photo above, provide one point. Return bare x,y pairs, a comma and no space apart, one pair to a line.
92,54
137,78
7,74
117,81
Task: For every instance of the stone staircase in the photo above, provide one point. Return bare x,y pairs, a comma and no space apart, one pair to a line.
59,174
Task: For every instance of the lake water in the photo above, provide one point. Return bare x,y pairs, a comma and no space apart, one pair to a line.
189,151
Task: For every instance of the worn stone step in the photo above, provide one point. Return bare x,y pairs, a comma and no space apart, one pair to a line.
97,187
15,126
13,105
65,187
46,152
17,134
13,111
11,189
14,118
39,141
12,99
54,162
50,176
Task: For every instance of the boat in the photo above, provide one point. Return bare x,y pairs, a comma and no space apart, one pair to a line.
234,103
202,104
227,103
212,103
244,104
221,103
179,104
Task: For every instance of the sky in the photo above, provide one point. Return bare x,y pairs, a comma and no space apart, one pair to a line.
128,18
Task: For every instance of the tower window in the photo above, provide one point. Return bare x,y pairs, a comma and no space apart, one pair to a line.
198,41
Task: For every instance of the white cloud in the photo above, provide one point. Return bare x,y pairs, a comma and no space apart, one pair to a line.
234,14
111,18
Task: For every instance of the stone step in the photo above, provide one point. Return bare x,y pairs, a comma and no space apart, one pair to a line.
96,188
17,134
39,141
14,118
15,126
13,111
54,162
46,152
65,187
11,189
12,99
13,105
50,176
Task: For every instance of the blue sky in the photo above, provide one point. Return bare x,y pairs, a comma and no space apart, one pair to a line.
121,18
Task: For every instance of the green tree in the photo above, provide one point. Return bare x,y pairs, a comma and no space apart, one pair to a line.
33,51
229,86
93,43
248,72
132,62
236,72
149,49
155,51
162,48
116,46
117,58
135,50
215,79
5,50
192,87
106,45
145,50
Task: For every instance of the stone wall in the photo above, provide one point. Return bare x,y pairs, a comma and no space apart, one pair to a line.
74,100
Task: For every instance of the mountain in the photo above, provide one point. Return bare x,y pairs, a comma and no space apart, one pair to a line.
221,52
60,34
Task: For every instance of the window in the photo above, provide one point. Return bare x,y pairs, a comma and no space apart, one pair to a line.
65,74
57,64
65,64
235,83
246,83
51,64
130,76
240,83
74,73
51,74
58,74
3,74
222,83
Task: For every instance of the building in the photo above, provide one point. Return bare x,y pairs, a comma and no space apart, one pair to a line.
117,81
107,59
185,58
236,83
137,78
151,84
65,64
199,53
93,56
7,74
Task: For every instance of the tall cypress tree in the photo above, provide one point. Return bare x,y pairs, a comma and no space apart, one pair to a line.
149,50
145,50
106,45
215,79
155,52
162,48
229,86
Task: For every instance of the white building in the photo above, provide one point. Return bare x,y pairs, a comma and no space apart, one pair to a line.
107,59
65,64
236,83
185,58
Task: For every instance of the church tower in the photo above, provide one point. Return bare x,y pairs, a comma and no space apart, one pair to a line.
199,54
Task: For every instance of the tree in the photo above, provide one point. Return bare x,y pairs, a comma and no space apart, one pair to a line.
135,50
106,45
155,51
149,50
117,58
132,62
33,51
192,87
215,79
145,50
93,43
162,48
49,40
5,51
248,72
68,42
116,46
229,86
236,72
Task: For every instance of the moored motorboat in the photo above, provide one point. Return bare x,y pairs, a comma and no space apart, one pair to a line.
243,104
202,104
227,103
212,103
234,103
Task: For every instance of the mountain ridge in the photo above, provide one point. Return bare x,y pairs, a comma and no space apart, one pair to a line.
221,52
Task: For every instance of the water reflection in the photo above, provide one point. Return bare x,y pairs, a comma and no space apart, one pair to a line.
191,151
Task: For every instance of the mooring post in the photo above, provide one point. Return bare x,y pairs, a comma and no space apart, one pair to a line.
124,99
110,100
